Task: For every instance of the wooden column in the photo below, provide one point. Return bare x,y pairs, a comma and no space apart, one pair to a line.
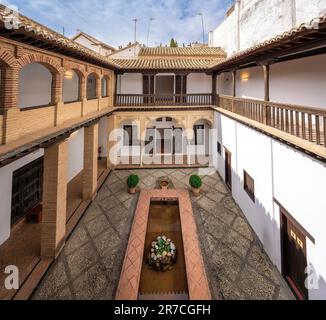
214,97
90,161
234,87
267,115
54,199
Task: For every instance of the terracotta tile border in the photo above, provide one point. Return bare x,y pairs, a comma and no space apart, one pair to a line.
198,288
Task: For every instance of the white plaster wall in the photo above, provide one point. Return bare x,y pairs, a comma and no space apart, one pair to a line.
35,83
127,53
299,81
224,84
87,43
264,19
75,154
199,83
6,191
297,181
103,136
225,35
260,20
300,184
71,88
250,83
307,10
131,83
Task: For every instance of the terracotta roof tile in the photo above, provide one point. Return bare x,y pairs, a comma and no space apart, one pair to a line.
165,64
37,29
211,52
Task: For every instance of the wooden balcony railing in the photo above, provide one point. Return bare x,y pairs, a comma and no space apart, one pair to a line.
143,100
303,122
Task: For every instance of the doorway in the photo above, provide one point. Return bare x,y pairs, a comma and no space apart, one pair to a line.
164,88
228,168
27,189
294,255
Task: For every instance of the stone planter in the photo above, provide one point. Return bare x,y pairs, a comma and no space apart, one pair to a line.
132,190
196,191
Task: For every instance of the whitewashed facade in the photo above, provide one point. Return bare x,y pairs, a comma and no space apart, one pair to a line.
254,21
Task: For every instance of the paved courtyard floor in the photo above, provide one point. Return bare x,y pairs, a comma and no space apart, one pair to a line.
90,264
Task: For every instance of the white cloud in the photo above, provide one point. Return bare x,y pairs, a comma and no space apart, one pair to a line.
111,20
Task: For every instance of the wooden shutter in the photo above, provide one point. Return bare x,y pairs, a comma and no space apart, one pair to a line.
145,84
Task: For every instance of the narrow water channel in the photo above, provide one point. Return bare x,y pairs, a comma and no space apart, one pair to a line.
164,220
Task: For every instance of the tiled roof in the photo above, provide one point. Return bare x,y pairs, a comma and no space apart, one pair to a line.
165,64
207,52
313,25
33,28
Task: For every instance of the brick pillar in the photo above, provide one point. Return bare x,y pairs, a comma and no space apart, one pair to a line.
111,157
83,95
98,93
11,112
90,161
54,199
57,98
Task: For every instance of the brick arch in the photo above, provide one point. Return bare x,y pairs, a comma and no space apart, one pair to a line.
97,75
76,68
50,63
7,58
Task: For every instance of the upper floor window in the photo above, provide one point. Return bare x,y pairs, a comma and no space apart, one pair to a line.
70,89
104,87
249,185
91,86
35,86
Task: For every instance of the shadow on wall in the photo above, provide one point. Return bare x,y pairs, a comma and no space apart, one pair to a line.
263,222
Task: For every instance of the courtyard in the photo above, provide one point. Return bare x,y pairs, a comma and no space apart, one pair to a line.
90,264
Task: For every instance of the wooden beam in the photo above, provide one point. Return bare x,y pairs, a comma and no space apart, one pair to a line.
234,83
266,82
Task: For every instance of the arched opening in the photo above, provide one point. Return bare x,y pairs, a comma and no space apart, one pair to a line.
71,86
165,136
201,137
35,86
92,86
105,87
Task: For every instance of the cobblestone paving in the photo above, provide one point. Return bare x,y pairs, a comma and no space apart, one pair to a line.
90,264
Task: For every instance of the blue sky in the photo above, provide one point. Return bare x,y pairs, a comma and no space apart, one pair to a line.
111,20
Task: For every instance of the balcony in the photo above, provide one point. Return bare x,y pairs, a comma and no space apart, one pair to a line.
307,123
152,100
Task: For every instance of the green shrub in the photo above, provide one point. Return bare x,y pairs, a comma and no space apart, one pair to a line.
195,182
133,181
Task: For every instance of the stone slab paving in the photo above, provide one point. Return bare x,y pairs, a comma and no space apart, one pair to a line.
90,264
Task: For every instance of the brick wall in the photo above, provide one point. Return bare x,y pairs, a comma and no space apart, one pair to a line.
71,111
17,123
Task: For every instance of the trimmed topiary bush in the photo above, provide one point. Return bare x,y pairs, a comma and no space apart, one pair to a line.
195,182
132,181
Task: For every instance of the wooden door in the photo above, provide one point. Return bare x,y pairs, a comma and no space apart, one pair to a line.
228,169
294,257
27,189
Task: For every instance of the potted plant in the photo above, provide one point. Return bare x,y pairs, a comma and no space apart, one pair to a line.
132,183
196,184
